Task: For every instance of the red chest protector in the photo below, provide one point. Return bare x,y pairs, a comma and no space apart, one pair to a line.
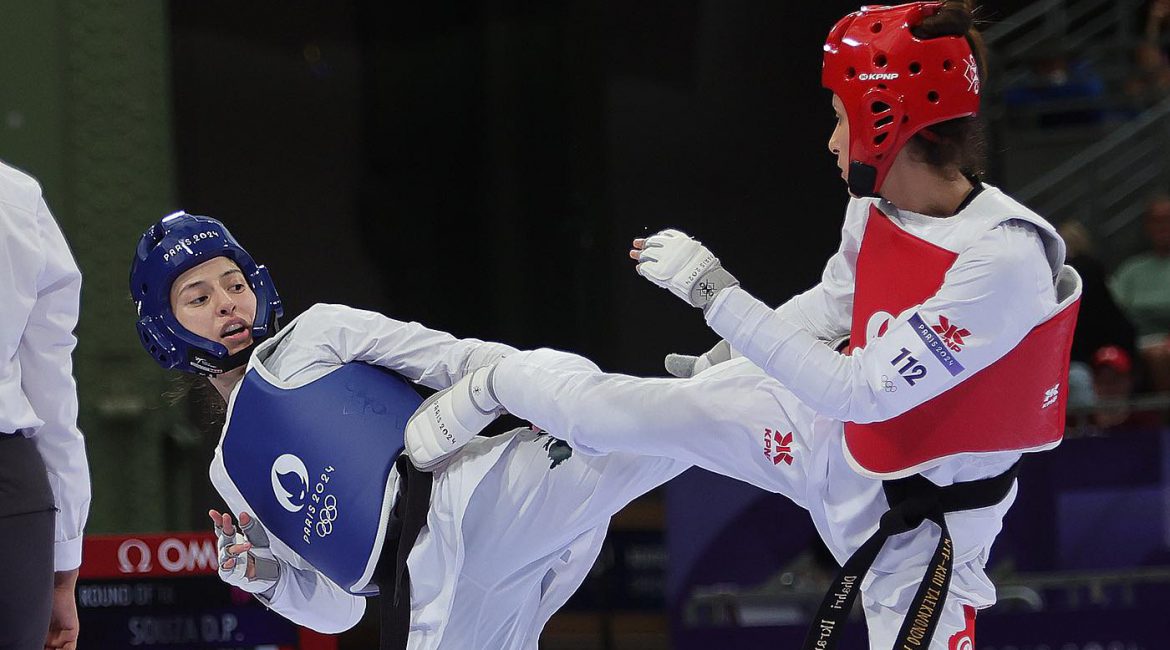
1015,404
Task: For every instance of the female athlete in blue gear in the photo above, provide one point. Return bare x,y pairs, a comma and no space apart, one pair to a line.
477,553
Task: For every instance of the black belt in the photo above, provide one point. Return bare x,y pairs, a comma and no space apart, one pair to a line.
407,519
912,500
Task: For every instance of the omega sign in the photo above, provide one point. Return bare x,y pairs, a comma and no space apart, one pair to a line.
153,555
171,555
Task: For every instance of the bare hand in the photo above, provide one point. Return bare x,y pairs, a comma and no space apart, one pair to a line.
636,251
63,623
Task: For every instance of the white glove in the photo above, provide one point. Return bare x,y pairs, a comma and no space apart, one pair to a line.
674,261
685,365
450,418
839,344
249,543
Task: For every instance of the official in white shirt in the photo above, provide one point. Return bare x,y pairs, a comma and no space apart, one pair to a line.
44,476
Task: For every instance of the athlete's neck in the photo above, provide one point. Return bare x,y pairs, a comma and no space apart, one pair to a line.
225,383
918,187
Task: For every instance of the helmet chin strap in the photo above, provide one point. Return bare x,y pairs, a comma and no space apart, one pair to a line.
212,366
861,179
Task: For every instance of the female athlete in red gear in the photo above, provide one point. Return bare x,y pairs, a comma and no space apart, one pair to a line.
959,313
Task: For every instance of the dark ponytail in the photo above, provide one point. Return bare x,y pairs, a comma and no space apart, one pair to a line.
962,141
956,18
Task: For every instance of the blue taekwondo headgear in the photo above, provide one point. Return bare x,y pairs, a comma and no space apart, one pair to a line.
176,243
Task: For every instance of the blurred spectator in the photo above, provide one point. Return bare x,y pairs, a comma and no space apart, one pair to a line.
1142,288
1112,383
1104,343
1059,88
1149,80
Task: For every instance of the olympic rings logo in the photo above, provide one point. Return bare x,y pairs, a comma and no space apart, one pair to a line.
888,385
328,516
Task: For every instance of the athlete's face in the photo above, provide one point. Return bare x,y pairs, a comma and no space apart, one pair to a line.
214,301
839,141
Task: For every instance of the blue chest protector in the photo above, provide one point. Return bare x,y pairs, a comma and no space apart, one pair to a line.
313,463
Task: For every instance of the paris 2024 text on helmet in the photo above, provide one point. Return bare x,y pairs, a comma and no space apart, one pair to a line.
167,249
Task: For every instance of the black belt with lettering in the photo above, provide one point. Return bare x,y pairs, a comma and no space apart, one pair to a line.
411,506
912,500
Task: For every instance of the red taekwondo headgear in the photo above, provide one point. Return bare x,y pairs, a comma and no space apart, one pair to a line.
893,84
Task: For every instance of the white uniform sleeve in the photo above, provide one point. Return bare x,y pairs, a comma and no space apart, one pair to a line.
826,310
46,370
306,598
994,294
429,357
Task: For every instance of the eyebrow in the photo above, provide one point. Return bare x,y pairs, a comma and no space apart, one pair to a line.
196,283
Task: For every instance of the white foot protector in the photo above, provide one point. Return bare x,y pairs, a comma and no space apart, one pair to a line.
450,418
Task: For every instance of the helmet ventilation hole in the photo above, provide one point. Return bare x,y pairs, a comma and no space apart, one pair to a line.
880,60
915,67
881,137
850,73
947,65
885,121
876,27
879,107
932,97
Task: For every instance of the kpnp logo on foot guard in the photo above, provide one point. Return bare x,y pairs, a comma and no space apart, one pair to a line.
778,447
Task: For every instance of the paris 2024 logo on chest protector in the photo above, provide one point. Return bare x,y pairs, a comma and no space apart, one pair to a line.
290,482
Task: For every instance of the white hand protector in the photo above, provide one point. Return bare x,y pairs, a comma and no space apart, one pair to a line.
259,556
685,365
838,344
450,418
674,261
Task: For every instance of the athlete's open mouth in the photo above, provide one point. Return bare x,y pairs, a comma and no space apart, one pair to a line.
234,331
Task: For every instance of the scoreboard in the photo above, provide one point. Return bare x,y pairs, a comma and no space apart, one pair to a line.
162,591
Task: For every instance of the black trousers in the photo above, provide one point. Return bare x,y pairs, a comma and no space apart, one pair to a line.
27,518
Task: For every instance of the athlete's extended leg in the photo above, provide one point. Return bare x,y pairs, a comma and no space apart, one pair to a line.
731,419
549,494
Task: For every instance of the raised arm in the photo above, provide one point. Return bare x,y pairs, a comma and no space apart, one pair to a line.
430,357
997,290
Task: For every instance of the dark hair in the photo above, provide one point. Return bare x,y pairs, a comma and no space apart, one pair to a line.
204,404
963,141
